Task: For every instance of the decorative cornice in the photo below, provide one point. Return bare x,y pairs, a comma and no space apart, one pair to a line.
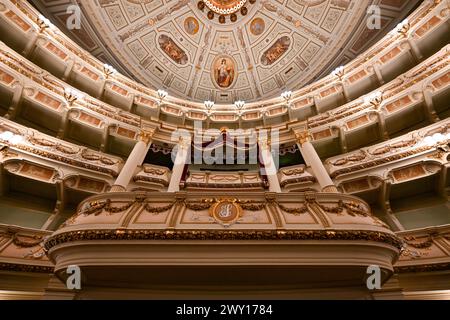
423,268
26,268
221,235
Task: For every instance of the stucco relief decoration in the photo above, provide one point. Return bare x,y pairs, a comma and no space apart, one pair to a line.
224,72
276,51
171,49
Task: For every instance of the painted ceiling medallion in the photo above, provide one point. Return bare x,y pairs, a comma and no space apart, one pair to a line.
225,7
191,25
257,26
224,71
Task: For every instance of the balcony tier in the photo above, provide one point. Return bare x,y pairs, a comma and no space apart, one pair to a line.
200,241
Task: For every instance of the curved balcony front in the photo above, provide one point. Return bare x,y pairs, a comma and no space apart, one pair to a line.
201,243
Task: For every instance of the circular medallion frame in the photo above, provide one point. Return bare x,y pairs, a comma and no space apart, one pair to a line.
226,211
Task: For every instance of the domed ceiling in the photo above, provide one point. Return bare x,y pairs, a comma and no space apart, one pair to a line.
227,50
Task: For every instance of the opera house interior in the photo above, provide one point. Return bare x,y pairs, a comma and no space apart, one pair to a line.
216,149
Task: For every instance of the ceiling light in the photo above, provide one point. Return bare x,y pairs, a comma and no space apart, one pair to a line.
16,139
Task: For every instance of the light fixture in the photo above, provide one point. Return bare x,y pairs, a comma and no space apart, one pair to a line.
209,105
43,23
6,135
16,139
375,99
239,104
339,72
72,95
287,95
436,139
403,27
162,94
109,70
10,137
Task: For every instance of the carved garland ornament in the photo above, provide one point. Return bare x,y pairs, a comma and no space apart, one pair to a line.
202,235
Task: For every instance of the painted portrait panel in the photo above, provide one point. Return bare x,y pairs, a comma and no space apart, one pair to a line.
191,25
224,72
257,26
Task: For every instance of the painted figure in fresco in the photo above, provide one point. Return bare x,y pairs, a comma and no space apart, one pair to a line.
172,50
276,51
191,25
225,74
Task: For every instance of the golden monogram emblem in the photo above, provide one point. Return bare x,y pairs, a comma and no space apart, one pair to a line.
226,211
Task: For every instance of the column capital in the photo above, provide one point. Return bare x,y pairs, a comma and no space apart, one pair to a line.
184,142
146,136
264,144
303,136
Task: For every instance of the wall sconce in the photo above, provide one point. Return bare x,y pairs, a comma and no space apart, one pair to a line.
10,137
43,23
71,96
287,95
239,105
436,139
209,105
339,72
375,99
403,27
108,70
162,94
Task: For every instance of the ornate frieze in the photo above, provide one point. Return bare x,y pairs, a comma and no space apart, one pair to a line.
421,142
60,151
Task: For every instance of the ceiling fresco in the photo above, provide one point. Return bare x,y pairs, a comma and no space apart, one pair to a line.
226,50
